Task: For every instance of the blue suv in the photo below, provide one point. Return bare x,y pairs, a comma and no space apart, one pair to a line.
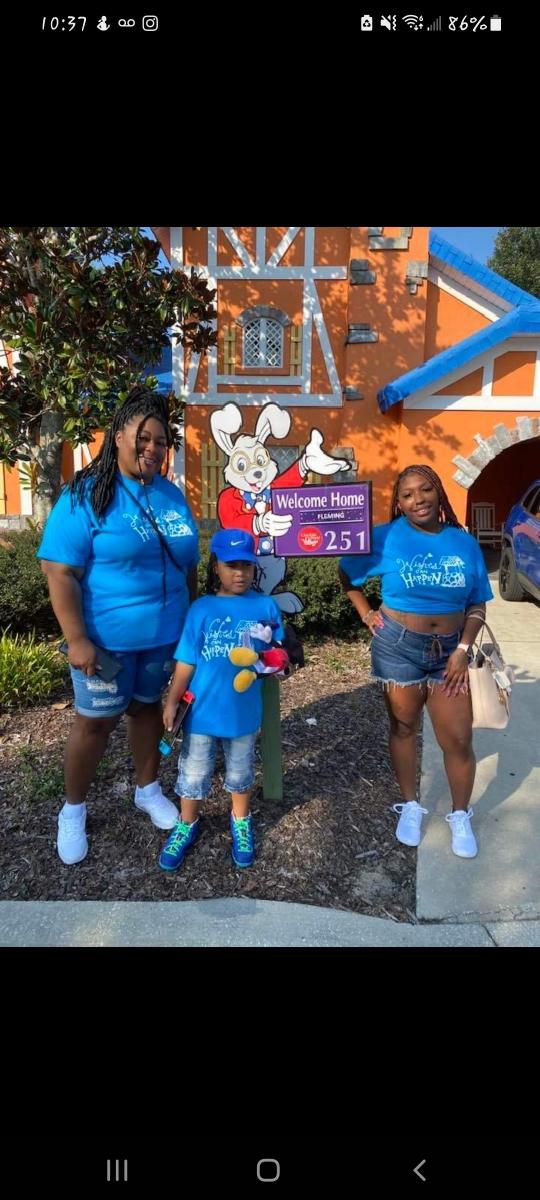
519,572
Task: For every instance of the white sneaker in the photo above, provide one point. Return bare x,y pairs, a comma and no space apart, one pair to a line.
162,812
72,843
410,821
463,839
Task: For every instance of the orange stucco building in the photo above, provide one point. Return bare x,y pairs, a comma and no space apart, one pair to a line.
395,345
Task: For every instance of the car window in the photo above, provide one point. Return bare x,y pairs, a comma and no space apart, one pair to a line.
531,502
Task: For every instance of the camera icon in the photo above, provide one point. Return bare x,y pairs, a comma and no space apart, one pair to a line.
150,23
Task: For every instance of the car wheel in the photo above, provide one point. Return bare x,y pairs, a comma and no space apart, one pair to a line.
509,585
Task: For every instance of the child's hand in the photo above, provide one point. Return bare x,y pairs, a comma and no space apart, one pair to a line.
169,714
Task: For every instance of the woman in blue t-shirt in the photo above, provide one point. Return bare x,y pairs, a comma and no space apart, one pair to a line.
216,625
120,551
433,577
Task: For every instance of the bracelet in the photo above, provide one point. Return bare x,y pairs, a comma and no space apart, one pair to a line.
462,646
365,619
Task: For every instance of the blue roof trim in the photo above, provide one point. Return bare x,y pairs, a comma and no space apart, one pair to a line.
525,319
469,266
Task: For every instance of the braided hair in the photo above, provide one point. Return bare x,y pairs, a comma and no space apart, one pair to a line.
213,582
141,402
446,512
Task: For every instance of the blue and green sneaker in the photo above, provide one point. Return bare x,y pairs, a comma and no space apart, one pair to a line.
176,846
243,850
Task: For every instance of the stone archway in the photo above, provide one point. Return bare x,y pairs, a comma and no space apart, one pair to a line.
487,449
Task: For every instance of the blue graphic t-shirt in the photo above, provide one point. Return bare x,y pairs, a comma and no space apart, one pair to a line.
214,625
423,572
124,561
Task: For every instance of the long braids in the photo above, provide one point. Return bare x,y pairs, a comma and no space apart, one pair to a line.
212,579
446,511
140,402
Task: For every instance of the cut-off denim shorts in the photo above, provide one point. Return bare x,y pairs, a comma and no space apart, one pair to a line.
197,759
144,676
402,657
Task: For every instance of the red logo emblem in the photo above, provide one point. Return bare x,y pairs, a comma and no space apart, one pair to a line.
310,538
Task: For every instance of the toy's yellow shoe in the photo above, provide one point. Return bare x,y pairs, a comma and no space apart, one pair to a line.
243,680
242,656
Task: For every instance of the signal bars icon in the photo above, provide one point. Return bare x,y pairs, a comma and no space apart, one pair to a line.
437,24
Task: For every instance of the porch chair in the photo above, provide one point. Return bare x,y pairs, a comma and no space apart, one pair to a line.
483,524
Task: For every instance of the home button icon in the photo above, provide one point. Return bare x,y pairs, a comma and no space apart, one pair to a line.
268,1170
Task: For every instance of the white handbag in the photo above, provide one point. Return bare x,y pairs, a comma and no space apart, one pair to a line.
490,682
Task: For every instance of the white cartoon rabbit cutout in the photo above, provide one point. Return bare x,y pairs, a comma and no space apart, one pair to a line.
251,473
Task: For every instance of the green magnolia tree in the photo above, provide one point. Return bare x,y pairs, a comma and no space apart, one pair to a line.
88,310
517,256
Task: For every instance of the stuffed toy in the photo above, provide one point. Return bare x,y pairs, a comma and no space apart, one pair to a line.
274,661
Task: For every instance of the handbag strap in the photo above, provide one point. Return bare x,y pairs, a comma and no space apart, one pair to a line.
481,629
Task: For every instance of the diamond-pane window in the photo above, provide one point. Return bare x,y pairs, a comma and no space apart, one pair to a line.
263,343
252,343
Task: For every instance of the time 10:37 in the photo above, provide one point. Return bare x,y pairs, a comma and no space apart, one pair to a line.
69,23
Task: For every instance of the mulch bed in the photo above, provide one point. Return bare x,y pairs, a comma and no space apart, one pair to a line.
330,842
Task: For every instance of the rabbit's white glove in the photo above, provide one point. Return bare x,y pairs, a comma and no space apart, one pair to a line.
314,458
270,523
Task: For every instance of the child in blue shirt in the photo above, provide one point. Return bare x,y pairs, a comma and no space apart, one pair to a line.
216,623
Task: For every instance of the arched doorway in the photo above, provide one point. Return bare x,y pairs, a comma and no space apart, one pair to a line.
505,478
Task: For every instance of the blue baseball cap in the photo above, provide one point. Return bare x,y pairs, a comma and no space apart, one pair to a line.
233,545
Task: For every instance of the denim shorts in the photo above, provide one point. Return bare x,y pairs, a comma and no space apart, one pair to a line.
400,656
197,759
144,676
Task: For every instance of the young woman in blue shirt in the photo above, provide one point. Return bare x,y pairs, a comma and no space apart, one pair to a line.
433,579
119,551
215,625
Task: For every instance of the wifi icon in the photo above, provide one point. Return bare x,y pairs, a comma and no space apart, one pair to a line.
413,21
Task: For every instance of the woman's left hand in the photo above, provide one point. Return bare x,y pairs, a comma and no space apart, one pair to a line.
456,676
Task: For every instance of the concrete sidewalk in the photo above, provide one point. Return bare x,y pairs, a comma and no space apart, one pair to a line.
503,882
233,922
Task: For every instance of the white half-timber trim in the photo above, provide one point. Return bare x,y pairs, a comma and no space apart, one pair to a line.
478,403
268,272
212,249
285,399
177,249
286,241
261,245
469,290
81,457
212,350
536,388
424,398
179,465
191,382
239,247
312,314
178,363
25,493
261,380
322,331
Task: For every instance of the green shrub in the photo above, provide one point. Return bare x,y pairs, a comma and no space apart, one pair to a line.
326,607
29,671
327,611
24,597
